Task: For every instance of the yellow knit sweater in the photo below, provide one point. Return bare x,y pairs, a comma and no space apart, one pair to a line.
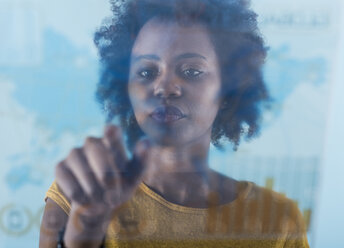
257,218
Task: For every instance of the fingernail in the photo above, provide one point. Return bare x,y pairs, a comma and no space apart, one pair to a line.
142,147
111,131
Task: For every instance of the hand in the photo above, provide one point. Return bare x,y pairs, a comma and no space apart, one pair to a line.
97,178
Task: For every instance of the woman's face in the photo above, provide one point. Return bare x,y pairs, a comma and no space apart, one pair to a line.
174,82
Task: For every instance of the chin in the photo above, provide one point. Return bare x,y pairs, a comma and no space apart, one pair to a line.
168,138
174,138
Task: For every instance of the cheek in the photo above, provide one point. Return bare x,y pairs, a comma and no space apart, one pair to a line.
138,96
206,113
207,101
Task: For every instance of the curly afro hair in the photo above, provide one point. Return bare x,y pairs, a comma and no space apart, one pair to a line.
239,46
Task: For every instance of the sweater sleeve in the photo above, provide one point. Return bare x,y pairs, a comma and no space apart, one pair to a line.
55,194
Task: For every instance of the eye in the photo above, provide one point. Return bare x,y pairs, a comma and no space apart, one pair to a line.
191,73
148,74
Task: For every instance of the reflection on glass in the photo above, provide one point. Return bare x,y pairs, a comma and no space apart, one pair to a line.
177,76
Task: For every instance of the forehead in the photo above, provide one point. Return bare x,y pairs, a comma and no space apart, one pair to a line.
166,38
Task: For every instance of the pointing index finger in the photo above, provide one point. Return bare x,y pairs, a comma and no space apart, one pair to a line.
113,141
138,164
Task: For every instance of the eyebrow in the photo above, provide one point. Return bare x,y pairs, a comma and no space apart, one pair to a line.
146,56
157,58
190,56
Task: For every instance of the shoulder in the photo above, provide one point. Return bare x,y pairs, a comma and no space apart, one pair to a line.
256,192
270,198
264,200
271,210
276,210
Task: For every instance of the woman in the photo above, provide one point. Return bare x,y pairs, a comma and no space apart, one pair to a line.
178,75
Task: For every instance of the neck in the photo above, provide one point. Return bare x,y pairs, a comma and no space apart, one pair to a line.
181,173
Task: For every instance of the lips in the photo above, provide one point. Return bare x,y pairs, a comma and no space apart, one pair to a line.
167,114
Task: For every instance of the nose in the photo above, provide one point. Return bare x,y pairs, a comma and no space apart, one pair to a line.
167,88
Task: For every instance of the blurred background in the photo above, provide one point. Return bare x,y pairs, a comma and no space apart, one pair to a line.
48,75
